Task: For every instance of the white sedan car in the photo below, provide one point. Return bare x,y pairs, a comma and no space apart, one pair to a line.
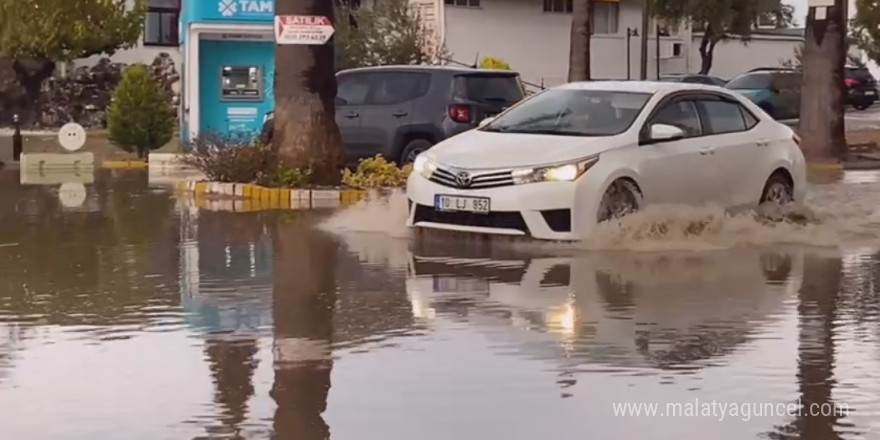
560,162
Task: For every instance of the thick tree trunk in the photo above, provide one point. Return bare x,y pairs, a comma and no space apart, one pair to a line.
707,50
306,135
303,303
579,51
822,101
232,364
30,74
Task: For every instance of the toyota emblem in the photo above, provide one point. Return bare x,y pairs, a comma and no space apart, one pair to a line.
463,179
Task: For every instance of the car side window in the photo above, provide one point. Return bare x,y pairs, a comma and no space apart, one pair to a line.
353,89
682,114
398,87
751,120
723,116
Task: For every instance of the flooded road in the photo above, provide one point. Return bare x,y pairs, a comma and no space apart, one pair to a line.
136,315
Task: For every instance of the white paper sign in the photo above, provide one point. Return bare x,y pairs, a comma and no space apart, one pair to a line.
302,29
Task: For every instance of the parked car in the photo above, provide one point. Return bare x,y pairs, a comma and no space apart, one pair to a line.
693,78
777,91
564,160
401,111
861,87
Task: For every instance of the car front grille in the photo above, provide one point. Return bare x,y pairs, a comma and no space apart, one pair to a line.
484,180
495,219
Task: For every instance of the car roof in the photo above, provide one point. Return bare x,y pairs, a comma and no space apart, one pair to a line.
426,68
637,86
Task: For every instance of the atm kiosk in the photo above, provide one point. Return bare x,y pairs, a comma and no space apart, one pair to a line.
228,66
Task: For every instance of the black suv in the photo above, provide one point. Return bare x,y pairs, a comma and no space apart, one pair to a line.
861,87
401,111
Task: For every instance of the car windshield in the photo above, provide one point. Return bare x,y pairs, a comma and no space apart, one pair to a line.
671,78
572,112
751,81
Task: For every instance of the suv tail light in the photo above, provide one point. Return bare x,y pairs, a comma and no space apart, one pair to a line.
460,113
850,82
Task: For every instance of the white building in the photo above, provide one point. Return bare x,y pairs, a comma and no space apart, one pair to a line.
532,36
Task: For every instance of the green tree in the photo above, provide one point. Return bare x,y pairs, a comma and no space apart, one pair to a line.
722,19
306,136
391,32
36,34
865,28
140,118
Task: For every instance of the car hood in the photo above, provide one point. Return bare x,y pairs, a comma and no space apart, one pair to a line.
477,149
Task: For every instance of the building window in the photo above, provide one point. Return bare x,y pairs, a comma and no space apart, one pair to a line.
161,27
604,18
466,3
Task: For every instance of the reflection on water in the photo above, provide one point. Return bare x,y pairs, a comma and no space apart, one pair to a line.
147,316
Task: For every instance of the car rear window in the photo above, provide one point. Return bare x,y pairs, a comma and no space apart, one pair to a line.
671,78
504,88
859,73
751,81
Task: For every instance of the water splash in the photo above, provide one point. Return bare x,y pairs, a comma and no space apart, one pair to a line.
833,215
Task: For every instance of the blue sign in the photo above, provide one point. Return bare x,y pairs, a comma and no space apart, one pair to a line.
229,10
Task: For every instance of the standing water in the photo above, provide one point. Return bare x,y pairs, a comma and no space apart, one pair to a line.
135,314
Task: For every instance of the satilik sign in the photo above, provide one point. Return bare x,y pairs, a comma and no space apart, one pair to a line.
303,29
246,8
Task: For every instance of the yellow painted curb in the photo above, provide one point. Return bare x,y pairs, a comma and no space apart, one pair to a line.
123,164
825,166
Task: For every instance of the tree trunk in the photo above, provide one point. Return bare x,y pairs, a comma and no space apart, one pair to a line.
822,101
30,74
707,50
305,132
303,303
579,51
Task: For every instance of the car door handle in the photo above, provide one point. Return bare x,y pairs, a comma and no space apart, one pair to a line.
399,114
763,143
351,115
707,151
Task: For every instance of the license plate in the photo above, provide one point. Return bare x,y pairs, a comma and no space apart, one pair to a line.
477,205
460,285
870,93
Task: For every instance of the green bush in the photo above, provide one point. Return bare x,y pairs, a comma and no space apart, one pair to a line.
376,172
494,63
140,118
241,159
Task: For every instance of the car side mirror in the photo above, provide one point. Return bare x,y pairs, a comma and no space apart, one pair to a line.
665,133
485,121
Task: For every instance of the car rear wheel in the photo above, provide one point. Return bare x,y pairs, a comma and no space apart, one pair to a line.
413,149
620,199
778,190
862,105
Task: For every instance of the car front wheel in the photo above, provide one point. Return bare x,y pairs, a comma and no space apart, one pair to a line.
778,190
620,199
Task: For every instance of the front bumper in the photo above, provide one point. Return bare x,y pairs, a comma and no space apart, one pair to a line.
545,210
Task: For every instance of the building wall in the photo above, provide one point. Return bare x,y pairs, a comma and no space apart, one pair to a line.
536,43
732,57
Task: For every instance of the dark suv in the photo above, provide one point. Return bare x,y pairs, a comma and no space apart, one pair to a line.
861,87
401,111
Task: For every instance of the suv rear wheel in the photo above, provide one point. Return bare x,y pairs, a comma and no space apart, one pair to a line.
412,149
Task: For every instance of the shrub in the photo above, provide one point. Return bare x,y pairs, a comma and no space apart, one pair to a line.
376,172
241,159
494,63
140,118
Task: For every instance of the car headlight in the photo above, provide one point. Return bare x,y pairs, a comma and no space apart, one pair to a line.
568,172
424,165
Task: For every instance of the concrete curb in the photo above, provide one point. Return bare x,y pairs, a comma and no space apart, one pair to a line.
123,164
250,197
